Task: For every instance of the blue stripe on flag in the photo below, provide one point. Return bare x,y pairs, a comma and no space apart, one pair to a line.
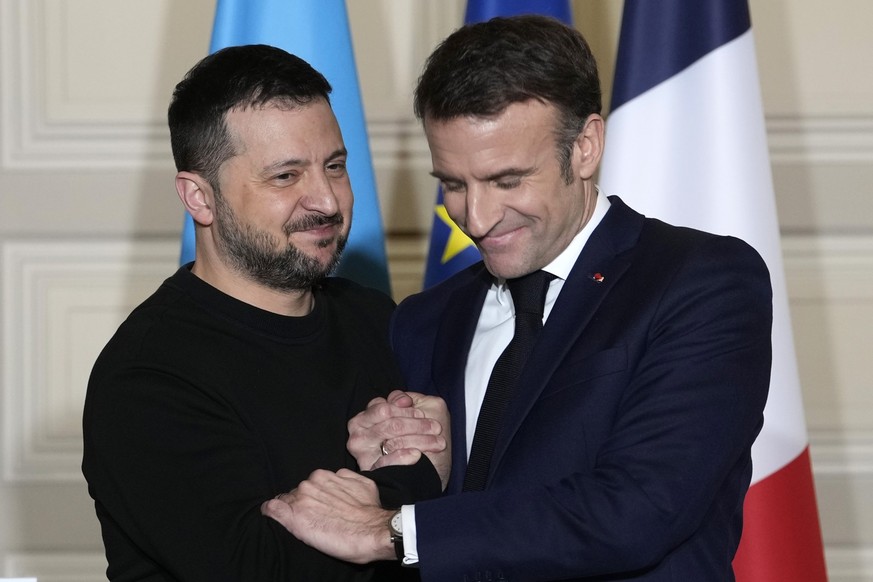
318,32
481,10
672,34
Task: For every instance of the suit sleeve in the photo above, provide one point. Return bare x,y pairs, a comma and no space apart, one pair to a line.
675,458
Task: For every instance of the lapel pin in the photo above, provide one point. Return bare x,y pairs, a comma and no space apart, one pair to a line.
597,278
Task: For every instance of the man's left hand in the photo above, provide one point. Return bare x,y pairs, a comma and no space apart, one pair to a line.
338,514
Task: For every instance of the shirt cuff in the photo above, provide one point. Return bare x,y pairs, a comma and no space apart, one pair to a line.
410,541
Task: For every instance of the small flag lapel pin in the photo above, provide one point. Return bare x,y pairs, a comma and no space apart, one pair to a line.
597,278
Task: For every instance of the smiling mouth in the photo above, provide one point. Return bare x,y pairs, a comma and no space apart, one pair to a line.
499,240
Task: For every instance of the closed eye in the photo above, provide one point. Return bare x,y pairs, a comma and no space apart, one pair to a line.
452,186
508,184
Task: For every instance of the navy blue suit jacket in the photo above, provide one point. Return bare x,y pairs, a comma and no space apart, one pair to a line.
625,454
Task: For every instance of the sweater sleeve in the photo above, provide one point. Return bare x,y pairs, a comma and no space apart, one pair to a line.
401,485
179,479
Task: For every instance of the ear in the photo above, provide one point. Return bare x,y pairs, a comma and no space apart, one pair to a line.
589,146
197,196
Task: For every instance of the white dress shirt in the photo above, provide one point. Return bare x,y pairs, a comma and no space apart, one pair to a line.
493,333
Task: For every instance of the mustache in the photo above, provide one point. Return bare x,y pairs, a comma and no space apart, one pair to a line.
313,221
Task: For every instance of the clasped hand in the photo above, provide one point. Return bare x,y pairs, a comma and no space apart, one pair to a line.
339,513
397,430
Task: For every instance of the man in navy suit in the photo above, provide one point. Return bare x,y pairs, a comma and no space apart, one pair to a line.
624,452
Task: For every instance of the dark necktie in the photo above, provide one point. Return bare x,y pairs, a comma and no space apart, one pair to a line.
528,296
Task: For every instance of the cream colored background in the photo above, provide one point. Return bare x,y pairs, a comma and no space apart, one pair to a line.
89,224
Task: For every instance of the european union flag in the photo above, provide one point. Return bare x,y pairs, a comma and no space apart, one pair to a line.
450,249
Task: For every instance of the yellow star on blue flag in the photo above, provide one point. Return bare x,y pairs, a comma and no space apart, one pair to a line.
457,240
450,249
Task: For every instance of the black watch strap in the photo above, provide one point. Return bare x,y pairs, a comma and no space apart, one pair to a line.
397,536
398,546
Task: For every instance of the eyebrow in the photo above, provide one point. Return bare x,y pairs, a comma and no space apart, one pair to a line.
506,173
293,162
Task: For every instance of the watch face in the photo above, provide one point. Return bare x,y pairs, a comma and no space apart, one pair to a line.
397,523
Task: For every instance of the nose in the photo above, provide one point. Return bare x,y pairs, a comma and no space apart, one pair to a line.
320,195
483,211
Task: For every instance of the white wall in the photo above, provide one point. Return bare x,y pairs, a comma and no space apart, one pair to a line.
89,224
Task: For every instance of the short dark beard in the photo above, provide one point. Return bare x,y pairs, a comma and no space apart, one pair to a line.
251,251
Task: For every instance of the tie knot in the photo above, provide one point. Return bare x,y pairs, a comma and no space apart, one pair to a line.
529,292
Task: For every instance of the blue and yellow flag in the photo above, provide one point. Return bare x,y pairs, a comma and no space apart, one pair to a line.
450,249
318,32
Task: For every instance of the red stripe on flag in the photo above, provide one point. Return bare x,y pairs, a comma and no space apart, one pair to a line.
781,535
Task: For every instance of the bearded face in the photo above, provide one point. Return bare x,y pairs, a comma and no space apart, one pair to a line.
263,258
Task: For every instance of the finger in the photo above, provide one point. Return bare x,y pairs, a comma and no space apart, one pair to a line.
433,406
370,439
400,398
379,412
375,401
424,443
352,488
386,410
278,510
400,426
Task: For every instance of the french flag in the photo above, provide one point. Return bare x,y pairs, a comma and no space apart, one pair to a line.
686,143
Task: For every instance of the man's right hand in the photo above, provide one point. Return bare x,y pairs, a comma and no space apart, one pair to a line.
398,429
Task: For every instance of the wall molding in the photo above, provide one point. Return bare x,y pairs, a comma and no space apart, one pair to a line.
835,453
43,125
820,139
56,566
62,300
849,564
830,270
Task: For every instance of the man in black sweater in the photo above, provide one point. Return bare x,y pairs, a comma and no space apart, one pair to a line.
236,379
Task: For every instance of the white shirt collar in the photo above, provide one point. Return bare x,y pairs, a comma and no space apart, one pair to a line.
561,265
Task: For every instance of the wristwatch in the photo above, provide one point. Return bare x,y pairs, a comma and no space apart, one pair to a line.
395,526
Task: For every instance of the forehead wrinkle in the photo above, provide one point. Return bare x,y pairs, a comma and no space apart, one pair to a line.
499,174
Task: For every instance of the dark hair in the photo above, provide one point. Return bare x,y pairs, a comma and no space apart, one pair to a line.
231,78
481,69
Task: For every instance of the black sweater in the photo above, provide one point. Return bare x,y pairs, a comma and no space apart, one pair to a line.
201,407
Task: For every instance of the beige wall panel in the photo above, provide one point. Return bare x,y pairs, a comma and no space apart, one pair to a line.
832,309
61,304
86,82
825,198
813,57
57,567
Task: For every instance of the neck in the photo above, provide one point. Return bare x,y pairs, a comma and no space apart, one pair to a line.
293,303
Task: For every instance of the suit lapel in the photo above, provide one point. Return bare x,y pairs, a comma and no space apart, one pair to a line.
453,340
577,303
